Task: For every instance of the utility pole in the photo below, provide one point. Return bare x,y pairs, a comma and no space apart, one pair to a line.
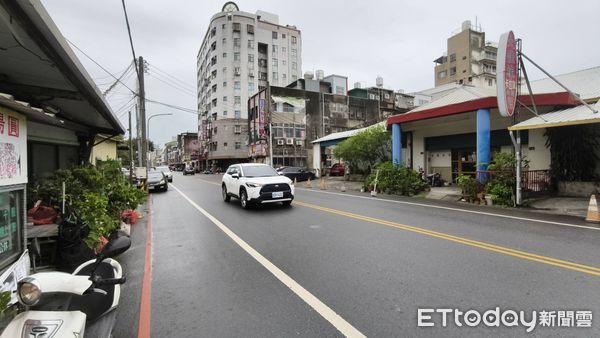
138,135
143,152
130,150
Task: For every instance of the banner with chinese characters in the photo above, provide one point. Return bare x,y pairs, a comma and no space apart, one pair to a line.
261,118
13,148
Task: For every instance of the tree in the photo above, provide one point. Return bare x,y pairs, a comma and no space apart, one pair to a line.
365,149
573,152
123,150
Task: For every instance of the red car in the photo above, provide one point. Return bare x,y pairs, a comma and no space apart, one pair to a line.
337,170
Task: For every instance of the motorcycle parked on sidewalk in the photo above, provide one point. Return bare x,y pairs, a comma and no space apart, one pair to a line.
435,180
59,304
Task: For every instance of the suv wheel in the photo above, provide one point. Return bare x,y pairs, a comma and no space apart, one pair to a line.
226,196
244,199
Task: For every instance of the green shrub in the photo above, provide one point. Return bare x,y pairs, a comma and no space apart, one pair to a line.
502,183
95,197
396,180
469,186
502,194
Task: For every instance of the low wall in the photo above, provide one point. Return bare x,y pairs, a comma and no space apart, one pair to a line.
578,189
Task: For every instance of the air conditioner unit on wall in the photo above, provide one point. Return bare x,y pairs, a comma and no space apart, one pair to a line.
289,141
299,142
280,142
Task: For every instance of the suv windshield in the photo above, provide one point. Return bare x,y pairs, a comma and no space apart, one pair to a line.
259,171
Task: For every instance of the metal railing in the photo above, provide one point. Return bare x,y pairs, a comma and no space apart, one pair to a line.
532,181
536,181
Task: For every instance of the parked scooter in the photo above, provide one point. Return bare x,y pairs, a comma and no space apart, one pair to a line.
58,304
435,180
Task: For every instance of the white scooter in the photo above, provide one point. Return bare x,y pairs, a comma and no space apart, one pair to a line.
59,304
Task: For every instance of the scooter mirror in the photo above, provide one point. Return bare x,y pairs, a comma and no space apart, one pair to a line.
116,247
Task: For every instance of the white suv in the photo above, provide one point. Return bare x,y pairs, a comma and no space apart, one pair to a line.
255,183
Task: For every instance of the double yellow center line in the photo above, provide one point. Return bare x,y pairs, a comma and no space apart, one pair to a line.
482,245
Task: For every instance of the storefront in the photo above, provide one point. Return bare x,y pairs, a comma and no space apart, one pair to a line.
13,181
446,135
51,113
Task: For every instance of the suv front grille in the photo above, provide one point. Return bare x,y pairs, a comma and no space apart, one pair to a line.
275,187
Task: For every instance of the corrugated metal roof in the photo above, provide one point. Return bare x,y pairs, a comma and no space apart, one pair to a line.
346,134
585,82
460,94
566,117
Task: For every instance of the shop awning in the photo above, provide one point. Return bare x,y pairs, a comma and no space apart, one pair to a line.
38,66
565,117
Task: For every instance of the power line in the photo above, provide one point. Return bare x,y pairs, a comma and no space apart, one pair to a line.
97,64
174,83
187,110
137,68
116,82
99,78
183,90
185,84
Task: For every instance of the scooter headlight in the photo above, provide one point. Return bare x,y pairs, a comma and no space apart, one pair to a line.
29,291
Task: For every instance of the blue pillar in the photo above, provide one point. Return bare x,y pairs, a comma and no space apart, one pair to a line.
396,144
483,143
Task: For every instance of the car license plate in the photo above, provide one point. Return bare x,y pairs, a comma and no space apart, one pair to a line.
278,194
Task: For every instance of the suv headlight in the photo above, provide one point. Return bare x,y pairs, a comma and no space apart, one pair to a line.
29,291
254,185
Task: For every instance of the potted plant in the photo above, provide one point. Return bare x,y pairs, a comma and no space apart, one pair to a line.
469,187
95,198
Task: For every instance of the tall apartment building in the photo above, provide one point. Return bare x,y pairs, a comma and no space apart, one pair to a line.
469,59
241,54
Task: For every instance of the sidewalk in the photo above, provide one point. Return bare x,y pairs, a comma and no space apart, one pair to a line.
571,206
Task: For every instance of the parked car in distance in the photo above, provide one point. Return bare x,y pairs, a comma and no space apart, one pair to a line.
337,170
157,181
256,183
189,170
167,171
298,173
207,171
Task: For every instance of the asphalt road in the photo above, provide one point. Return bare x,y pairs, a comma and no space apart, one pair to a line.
335,264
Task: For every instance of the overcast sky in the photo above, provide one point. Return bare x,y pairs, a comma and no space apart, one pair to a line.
360,39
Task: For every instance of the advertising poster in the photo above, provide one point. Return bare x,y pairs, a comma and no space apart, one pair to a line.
13,148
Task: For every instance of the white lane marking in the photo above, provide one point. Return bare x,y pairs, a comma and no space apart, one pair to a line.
325,311
455,209
444,208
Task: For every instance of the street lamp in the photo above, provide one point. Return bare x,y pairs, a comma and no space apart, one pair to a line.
148,132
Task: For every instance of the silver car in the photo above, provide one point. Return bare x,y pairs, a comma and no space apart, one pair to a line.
167,172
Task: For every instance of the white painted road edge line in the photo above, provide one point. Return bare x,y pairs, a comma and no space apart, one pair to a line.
325,311
454,209
441,207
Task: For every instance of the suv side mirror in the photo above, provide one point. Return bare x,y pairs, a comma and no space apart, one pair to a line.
236,176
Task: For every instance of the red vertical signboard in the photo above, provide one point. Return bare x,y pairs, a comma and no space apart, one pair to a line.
261,118
506,72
